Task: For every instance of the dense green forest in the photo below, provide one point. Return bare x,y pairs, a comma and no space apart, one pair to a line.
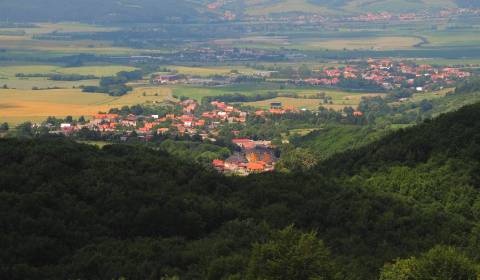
404,207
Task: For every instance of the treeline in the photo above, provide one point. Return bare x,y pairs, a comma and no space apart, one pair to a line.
116,85
469,86
403,207
58,77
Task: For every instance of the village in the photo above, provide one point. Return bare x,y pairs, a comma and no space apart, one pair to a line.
389,74
249,156
379,74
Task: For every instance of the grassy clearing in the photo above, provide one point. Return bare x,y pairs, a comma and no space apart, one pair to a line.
197,93
27,105
417,97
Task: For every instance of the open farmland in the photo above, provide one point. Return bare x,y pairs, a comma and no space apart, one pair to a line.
7,75
340,100
27,39
286,6
209,71
373,43
18,106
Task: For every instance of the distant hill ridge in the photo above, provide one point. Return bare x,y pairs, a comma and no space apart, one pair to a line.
112,11
263,7
96,11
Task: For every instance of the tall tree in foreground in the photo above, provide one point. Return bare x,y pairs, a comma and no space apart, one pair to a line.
440,263
291,254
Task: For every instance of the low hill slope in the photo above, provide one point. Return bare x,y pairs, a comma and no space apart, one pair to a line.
78,212
93,11
454,134
265,7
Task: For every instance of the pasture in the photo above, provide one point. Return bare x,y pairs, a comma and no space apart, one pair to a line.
18,106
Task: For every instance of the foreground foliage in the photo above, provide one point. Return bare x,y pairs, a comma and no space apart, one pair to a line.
79,212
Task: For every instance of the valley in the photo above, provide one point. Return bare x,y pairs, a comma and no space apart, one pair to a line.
240,139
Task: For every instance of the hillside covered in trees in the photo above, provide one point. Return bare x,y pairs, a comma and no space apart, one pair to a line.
404,207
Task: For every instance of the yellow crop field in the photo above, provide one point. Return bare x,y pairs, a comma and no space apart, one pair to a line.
18,106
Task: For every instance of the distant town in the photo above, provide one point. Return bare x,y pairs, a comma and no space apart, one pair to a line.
376,74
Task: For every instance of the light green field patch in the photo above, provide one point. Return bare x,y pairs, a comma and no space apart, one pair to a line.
372,43
455,38
209,71
197,93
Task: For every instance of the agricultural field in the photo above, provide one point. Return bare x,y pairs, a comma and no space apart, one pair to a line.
255,7
18,106
373,43
320,41
356,6
7,75
25,39
209,70
456,38
340,100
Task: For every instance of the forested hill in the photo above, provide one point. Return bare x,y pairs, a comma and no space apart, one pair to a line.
97,11
453,135
73,211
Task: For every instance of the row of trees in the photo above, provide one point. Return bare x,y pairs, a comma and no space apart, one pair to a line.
116,85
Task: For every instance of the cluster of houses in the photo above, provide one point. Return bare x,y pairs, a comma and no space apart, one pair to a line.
391,74
253,157
191,121
372,17
387,16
